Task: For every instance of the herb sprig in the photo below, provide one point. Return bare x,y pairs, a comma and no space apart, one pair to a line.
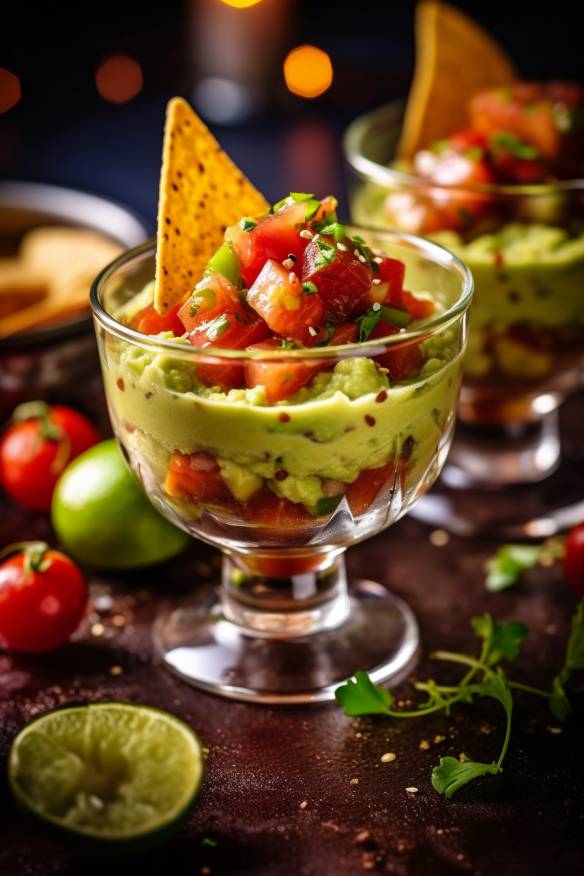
484,677
506,565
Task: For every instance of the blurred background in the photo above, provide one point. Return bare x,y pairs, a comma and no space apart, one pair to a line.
83,89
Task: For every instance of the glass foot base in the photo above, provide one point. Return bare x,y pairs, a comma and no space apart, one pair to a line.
200,645
528,511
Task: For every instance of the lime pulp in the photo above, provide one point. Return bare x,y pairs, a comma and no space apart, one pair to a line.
108,772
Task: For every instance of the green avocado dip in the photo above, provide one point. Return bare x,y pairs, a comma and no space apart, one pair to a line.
347,420
526,275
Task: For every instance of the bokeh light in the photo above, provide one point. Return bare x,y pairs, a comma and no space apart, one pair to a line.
308,71
119,79
241,4
10,92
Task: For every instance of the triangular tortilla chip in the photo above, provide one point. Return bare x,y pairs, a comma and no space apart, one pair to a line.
201,193
455,58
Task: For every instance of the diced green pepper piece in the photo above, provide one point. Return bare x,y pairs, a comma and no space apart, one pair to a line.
394,316
225,262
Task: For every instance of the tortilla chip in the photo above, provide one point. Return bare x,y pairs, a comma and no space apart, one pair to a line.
201,193
67,256
455,58
19,286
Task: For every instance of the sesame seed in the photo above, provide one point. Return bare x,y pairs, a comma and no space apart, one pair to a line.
343,247
97,630
388,757
304,804
288,264
356,252
306,234
412,790
555,730
377,260
354,781
376,306
362,259
376,281
292,277
312,331
438,739
96,802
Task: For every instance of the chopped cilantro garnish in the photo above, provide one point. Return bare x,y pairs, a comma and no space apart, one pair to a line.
248,224
309,288
330,330
218,327
194,309
335,230
326,253
511,143
367,323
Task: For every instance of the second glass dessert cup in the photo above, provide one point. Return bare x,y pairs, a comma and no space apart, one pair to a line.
284,489
525,247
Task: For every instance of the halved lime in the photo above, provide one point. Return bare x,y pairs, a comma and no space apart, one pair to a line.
114,774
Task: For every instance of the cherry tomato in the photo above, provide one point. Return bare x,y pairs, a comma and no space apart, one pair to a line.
574,559
42,598
37,446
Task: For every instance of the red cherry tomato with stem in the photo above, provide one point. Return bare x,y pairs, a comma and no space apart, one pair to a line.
42,597
35,449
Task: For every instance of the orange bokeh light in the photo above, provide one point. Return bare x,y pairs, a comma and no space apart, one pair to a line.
308,71
119,79
10,92
241,4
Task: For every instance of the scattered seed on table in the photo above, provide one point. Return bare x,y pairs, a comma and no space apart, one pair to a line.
412,790
304,804
439,537
388,757
116,670
97,630
424,745
354,781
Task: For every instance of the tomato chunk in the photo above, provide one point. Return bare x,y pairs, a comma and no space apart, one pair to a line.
418,308
362,492
267,509
273,237
211,297
342,281
391,275
400,360
150,322
196,477
278,297
280,380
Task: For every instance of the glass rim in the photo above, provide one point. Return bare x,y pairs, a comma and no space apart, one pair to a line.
428,328
387,176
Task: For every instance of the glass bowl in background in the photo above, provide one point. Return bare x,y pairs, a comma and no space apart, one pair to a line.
525,247
284,626
56,363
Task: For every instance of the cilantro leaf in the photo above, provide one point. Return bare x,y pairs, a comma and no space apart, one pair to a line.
505,567
510,142
502,641
330,330
367,323
309,287
335,230
362,697
248,224
573,661
451,774
325,255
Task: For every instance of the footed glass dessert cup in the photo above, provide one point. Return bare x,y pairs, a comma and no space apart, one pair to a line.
525,247
283,489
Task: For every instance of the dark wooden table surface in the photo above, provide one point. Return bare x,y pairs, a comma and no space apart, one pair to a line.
280,796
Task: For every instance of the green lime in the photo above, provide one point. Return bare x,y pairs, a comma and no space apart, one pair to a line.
103,518
116,776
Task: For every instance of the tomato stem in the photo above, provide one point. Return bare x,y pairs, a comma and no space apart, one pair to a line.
38,410
34,554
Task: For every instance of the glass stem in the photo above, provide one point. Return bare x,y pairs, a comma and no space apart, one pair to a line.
281,596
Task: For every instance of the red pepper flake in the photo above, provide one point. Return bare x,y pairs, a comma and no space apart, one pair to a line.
499,260
281,474
120,384
283,417
369,420
381,396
